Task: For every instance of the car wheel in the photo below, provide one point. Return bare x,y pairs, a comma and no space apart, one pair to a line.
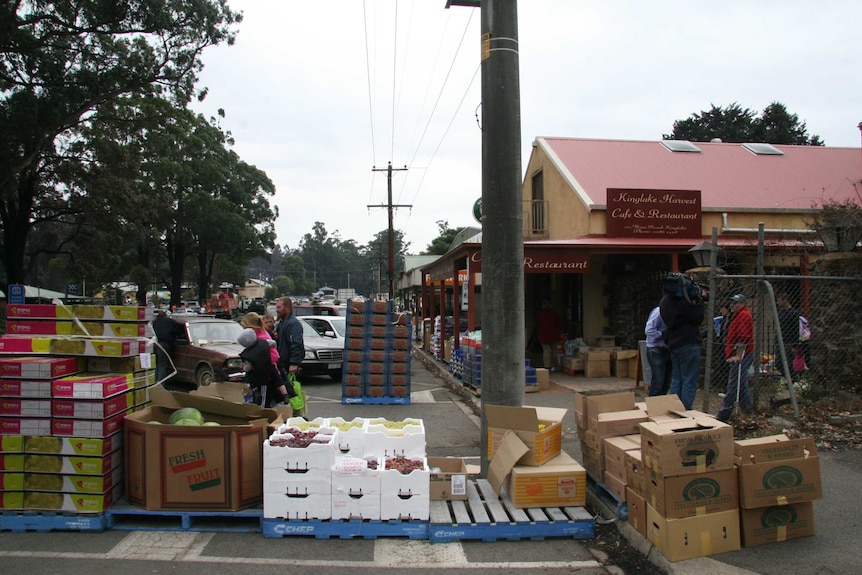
204,376
335,374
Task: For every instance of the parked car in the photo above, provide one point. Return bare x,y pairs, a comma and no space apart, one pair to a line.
323,337
208,351
257,305
320,309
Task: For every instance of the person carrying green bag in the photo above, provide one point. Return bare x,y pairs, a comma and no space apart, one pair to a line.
297,402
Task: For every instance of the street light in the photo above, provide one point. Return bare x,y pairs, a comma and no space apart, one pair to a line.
701,253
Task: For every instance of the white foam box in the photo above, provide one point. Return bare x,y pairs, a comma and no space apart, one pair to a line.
355,489
25,407
297,480
35,389
315,456
351,435
384,442
404,496
14,425
296,504
92,408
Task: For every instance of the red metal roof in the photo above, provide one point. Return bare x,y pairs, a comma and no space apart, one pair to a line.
729,176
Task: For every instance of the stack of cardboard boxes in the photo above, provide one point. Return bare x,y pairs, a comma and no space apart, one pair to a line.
524,447
70,374
689,487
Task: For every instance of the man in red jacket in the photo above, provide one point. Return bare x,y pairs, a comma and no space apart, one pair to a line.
739,353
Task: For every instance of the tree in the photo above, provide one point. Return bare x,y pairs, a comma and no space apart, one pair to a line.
60,61
441,244
736,124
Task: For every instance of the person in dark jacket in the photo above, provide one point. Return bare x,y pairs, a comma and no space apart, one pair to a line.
291,349
683,315
167,330
258,368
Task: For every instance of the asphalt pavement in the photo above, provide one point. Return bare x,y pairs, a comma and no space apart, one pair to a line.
449,412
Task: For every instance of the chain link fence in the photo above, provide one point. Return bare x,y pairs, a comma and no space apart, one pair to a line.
808,333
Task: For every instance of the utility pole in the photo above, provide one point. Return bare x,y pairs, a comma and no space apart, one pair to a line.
390,207
502,221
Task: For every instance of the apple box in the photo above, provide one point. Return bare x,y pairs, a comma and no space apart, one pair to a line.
691,537
776,470
538,427
686,446
562,482
777,523
175,467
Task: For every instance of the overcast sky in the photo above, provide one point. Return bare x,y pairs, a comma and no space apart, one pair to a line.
319,93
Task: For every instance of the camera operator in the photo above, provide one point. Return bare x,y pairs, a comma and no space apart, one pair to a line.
682,311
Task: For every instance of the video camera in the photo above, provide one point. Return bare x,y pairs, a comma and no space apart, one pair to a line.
681,286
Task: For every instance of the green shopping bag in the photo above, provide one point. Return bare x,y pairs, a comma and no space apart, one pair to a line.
297,402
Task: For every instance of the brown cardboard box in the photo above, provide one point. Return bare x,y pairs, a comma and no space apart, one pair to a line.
543,377
691,537
450,482
777,523
615,423
686,446
597,364
635,478
616,485
174,467
622,362
689,495
615,452
544,444
592,405
777,471
561,482
572,364
636,510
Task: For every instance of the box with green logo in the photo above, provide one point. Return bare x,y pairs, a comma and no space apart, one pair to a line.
689,495
777,523
776,470
196,467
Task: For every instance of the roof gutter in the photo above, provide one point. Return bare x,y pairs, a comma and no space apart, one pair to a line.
727,229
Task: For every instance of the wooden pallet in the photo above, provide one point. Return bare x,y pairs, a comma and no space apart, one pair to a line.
489,517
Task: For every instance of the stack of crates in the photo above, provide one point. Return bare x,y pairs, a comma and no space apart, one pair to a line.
377,354
530,377
456,363
471,372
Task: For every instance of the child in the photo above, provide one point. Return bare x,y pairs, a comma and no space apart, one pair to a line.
258,368
253,321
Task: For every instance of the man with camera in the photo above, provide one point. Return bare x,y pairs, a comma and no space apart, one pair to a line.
682,311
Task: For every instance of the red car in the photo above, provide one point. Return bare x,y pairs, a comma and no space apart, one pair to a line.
208,352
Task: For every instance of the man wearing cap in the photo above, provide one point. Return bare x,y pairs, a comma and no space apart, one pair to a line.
739,353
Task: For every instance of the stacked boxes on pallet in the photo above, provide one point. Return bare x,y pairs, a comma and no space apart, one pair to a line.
372,469
68,377
377,353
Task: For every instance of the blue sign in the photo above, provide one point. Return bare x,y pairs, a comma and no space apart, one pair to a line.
16,294
71,289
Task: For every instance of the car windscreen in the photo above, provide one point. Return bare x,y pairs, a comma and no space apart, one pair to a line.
214,331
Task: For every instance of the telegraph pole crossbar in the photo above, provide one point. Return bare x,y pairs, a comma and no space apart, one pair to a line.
390,207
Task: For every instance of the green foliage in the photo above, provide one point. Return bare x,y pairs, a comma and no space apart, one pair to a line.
775,125
441,244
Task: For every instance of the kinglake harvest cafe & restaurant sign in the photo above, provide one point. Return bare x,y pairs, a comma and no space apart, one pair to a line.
652,213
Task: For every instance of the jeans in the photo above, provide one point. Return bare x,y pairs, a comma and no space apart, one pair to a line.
661,368
737,375
686,373
162,364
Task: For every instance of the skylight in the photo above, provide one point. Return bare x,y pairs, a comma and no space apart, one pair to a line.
763,149
680,146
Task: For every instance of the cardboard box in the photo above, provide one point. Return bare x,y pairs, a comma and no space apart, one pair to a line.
544,444
74,502
34,389
172,467
11,444
777,523
572,364
635,477
39,367
121,364
450,482
615,453
777,471
691,537
92,385
597,364
616,485
592,405
88,328
686,446
543,377
74,483
636,511
25,407
73,445
72,464
681,496
92,312
88,427
622,363
615,423
561,482
82,346
93,408
12,425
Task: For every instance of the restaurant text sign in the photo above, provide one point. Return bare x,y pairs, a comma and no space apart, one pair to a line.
653,213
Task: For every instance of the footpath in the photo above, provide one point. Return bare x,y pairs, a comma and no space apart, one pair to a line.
831,550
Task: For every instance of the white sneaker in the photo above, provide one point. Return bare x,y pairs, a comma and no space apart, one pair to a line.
722,395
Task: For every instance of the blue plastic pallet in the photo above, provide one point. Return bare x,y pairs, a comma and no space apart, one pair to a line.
125,517
489,517
379,400
44,521
620,507
345,529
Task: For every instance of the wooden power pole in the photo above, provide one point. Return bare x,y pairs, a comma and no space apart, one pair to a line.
390,207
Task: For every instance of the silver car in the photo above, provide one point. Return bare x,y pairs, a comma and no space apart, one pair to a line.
323,337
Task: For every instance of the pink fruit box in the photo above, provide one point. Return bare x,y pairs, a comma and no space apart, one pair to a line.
78,346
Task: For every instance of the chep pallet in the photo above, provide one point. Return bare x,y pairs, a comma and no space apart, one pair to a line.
490,517
608,497
345,528
376,400
44,521
125,517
